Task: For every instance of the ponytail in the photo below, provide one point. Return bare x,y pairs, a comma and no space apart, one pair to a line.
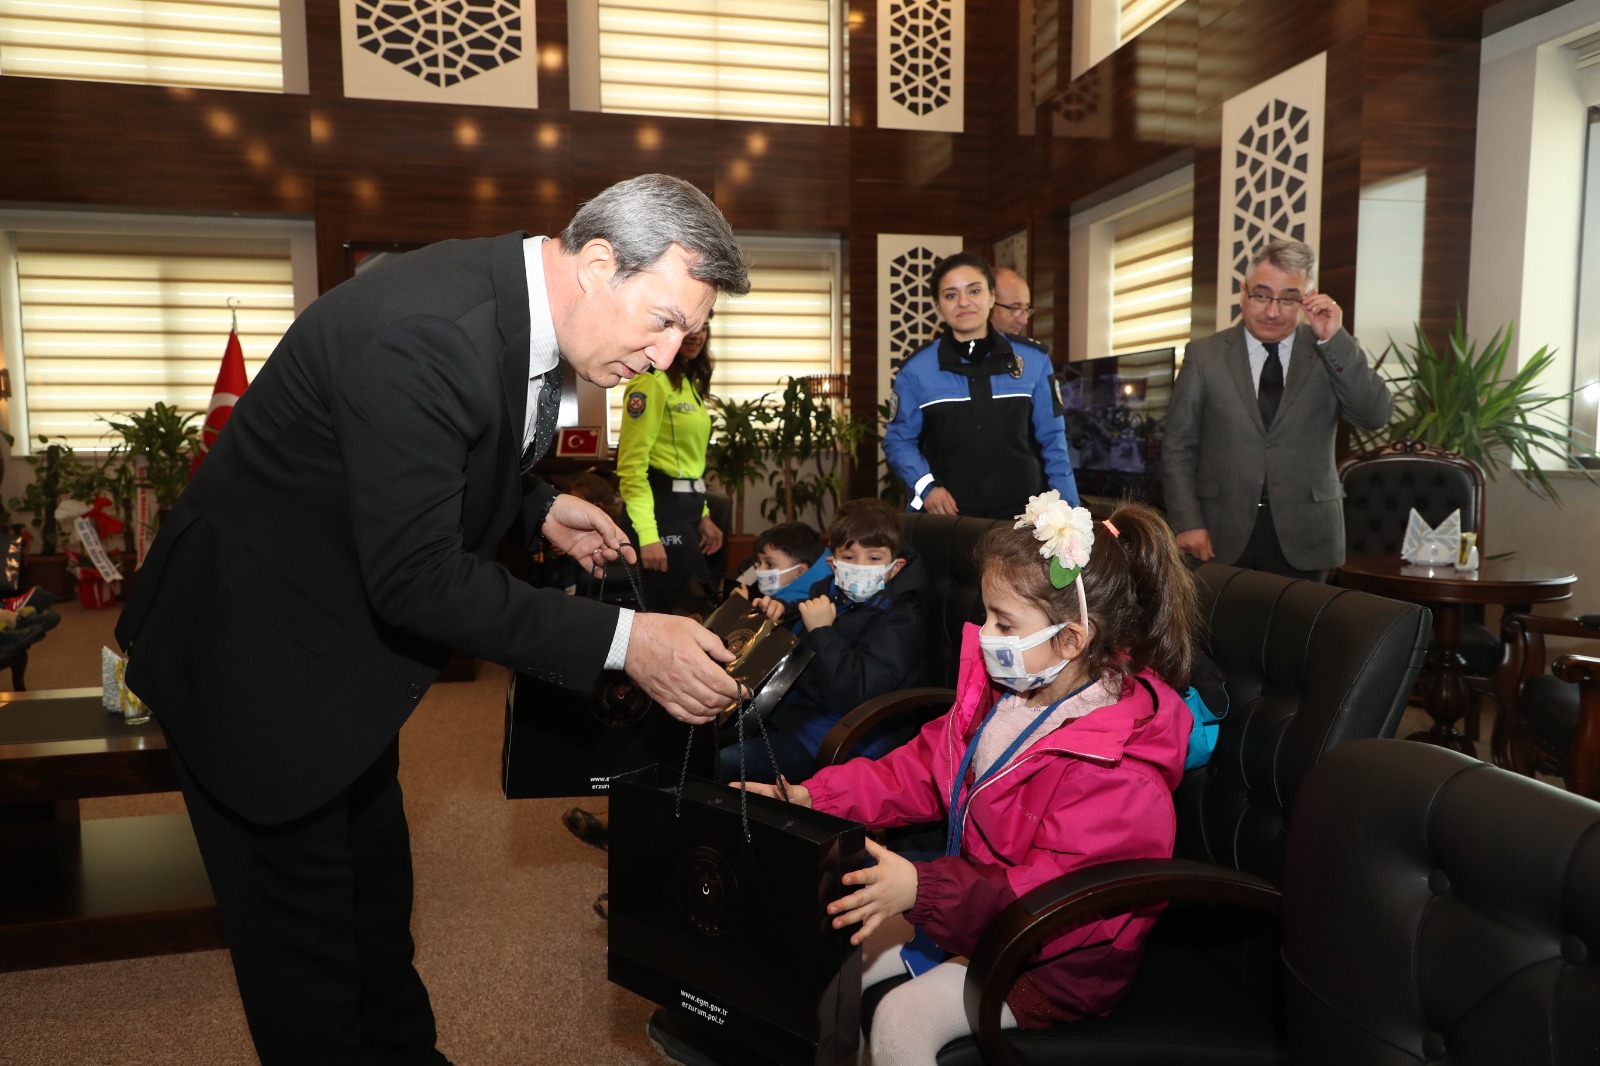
1142,600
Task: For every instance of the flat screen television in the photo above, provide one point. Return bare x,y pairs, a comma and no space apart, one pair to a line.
1116,409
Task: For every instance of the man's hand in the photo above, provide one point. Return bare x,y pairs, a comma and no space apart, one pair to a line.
675,661
1322,313
817,612
584,532
891,888
710,536
770,607
1197,542
939,501
653,556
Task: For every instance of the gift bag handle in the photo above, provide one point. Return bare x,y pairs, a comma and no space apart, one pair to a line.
746,697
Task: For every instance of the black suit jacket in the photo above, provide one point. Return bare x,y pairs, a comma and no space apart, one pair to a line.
338,540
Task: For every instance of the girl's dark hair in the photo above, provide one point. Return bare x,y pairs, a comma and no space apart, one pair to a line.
698,369
1141,597
960,259
795,539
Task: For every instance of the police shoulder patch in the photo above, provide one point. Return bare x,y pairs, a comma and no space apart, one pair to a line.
636,402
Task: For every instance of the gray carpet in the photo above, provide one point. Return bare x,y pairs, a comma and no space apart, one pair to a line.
511,951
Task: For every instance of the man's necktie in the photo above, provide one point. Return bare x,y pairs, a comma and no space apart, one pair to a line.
1270,391
544,421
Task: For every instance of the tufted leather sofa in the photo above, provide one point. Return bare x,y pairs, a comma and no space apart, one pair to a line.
1309,667
1436,909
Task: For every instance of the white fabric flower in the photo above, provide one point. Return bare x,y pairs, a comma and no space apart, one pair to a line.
1065,533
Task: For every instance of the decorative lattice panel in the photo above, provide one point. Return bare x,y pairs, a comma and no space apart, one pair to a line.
1271,172
907,319
449,51
921,64
443,42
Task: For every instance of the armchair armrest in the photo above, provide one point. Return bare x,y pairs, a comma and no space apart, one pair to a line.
1523,656
847,731
1019,930
1583,761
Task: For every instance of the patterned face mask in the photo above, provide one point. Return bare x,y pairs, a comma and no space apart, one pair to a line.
770,581
860,582
1002,657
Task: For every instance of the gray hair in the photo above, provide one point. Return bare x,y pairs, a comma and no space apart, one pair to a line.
1291,257
642,217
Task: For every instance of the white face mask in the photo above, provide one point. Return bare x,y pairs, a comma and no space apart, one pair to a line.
860,582
770,581
1002,657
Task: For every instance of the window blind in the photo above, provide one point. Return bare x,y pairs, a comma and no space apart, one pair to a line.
1152,267
113,324
788,325
216,44
1136,16
741,59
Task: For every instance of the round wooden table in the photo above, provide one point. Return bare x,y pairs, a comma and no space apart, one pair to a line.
1446,591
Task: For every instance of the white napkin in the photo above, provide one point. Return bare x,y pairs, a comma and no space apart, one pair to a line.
1431,546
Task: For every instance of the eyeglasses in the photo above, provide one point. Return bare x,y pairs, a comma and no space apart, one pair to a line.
1017,309
1285,303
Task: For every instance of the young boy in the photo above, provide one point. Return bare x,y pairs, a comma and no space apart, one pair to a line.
789,559
866,626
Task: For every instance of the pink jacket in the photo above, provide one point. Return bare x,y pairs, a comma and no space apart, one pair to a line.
1097,789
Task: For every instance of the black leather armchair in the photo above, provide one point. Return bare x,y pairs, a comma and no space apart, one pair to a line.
1308,667
1380,489
1550,720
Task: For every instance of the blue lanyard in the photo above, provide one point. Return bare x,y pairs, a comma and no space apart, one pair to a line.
952,839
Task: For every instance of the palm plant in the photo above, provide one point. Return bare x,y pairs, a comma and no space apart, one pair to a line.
735,456
167,441
1463,400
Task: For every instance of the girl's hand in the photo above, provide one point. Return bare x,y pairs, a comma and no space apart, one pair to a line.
890,888
797,793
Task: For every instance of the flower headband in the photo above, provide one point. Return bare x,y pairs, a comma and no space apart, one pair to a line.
1066,534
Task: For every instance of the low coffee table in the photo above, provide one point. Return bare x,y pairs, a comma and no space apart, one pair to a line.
77,891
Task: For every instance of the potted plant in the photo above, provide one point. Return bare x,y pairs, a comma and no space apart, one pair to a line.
1462,400
735,457
161,443
52,464
808,445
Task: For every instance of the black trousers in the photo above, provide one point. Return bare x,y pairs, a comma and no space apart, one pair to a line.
1263,552
318,918
678,522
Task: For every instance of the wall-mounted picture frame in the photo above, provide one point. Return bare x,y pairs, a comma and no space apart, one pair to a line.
580,442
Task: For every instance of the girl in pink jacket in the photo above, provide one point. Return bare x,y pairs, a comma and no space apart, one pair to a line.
1063,747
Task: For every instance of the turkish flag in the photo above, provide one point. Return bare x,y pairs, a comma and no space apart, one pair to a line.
231,383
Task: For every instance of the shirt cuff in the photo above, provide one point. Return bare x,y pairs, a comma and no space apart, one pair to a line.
617,657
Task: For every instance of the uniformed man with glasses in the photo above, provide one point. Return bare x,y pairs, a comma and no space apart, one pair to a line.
1249,469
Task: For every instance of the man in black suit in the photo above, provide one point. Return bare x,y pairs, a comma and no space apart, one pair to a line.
339,541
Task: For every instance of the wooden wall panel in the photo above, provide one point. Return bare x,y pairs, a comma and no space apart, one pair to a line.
1401,97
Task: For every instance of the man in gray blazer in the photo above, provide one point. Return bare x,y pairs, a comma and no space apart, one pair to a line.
340,540
1248,472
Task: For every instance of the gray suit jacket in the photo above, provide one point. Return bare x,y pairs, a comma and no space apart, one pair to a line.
1218,456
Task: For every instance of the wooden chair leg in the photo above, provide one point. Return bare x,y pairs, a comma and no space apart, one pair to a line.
19,670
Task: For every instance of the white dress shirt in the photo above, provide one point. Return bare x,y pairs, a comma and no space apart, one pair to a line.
543,355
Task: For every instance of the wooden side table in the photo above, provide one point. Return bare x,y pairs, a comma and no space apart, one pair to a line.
1446,591
77,891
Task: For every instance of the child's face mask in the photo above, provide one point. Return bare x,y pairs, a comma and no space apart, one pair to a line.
1002,657
861,582
770,581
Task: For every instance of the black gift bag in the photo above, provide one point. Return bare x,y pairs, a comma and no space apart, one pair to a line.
560,742
718,914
